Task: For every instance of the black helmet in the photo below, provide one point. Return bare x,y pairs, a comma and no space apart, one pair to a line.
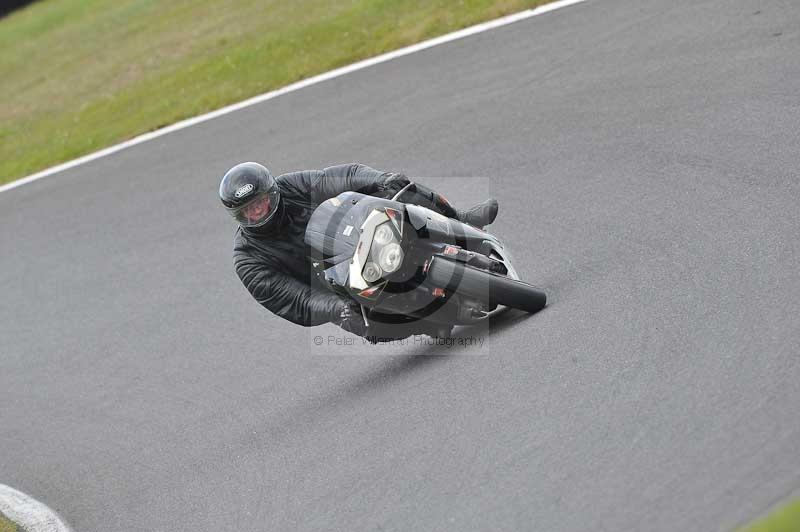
250,194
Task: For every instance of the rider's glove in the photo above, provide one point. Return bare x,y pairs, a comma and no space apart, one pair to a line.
392,184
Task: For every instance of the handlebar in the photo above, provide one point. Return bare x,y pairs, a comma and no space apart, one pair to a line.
400,192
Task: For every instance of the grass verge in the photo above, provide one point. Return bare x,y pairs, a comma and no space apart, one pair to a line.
784,519
79,75
6,525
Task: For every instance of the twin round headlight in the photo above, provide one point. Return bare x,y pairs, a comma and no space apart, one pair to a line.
390,254
372,272
391,257
384,234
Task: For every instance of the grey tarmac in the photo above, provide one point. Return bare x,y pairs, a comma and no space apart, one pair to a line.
645,157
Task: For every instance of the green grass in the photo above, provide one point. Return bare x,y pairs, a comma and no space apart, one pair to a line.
79,75
6,525
784,519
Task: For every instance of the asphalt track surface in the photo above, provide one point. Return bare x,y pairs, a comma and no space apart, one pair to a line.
645,157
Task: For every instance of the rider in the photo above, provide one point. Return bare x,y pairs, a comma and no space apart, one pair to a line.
269,251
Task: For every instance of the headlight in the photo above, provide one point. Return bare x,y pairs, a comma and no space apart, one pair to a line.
390,258
372,272
384,234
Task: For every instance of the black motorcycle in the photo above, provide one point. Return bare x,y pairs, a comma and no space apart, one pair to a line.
404,263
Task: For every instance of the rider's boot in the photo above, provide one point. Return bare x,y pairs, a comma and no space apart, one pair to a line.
479,216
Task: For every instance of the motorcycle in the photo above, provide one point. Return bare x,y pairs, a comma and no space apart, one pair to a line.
405,263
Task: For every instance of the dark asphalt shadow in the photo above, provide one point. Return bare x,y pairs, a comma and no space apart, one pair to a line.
380,377
314,410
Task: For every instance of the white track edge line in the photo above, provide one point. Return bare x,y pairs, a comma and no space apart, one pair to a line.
448,37
30,514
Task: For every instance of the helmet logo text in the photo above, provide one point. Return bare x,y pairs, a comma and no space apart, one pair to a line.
244,190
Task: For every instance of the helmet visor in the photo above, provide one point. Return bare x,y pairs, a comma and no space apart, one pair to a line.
258,211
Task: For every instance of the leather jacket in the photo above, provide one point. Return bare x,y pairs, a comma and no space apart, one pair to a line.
274,266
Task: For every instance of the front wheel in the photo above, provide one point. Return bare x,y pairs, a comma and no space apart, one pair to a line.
491,288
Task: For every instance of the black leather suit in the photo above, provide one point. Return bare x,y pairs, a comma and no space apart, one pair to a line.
274,266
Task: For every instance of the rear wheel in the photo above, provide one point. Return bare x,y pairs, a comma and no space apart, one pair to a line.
491,288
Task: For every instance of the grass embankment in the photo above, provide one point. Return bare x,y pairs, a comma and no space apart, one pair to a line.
784,519
6,525
80,75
